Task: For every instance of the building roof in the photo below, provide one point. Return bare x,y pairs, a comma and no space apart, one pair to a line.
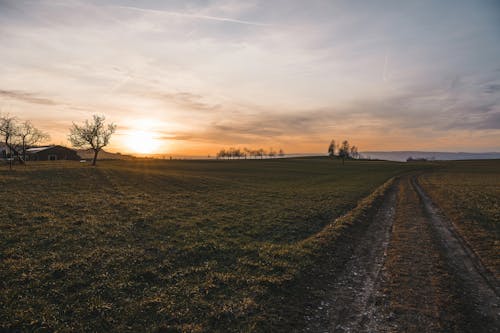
38,149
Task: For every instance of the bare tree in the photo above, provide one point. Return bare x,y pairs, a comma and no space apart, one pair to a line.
28,135
354,152
8,131
261,153
255,153
247,152
238,153
221,154
92,134
344,151
331,149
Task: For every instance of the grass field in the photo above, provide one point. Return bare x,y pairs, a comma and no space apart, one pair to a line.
167,245
468,192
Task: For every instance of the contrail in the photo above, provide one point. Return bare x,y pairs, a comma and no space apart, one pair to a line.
194,16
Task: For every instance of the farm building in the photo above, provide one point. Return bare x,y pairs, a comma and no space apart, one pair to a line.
51,153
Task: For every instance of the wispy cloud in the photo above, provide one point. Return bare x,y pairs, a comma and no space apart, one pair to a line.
192,16
26,97
235,72
187,101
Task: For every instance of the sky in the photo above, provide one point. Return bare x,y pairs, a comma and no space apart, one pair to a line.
192,77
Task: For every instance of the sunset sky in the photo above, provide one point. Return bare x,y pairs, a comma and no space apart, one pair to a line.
191,77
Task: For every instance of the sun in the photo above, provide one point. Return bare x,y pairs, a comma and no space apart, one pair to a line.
142,142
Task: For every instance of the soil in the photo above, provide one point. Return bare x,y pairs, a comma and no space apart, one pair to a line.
410,272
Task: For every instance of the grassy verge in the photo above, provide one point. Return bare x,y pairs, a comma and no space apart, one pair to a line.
468,192
322,257
174,245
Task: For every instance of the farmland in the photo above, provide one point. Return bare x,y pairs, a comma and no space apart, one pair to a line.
468,192
187,245
242,245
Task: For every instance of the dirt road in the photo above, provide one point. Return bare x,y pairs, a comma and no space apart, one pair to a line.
410,272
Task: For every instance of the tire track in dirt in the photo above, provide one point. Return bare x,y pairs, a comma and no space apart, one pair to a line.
415,292
345,305
409,272
478,285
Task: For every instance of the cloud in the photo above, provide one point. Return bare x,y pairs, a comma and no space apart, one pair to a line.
210,70
192,16
432,110
244,128
27,97
492,88
186,100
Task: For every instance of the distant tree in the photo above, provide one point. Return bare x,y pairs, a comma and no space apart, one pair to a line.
255,153
354,152
246,152
331,149
344,151
238,153
221,154
232,153
8,131
92,134
261,153
28,135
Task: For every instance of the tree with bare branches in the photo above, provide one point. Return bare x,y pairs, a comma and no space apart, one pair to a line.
354,152
8,131
93,134
344,150
331,149
28,135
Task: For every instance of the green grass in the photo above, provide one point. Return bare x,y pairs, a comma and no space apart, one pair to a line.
469,194
181,245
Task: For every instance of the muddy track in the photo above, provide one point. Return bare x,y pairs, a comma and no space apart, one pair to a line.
345,306
410,272
480,288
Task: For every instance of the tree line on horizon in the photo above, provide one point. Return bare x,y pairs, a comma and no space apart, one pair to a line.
94,134
244,153
344,151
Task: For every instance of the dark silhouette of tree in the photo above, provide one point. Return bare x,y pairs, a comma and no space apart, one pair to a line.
18,137
261,153
8,130
331,149
92,134
247,152
221,154
28,135
344,151
354,152
238,153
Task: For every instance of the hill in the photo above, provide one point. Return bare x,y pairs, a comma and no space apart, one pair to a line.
440,156
88,154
